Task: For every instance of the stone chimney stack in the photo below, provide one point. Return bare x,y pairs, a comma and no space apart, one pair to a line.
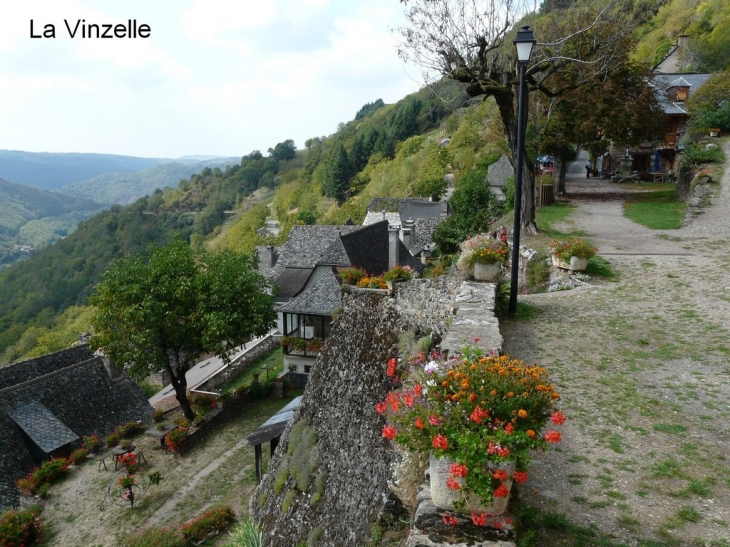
393,247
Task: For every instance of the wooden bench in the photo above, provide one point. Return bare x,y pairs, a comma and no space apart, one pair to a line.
101,458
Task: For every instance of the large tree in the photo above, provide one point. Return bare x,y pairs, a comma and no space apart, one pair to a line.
166,308
470,41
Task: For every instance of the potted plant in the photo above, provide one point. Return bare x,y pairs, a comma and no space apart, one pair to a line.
314,345
479,417
300,344
286,340
372,283
398,273
572,253
483,256
92,442
351,275
174,439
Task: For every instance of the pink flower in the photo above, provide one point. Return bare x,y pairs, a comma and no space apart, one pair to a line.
479,520
558,418
451,484
458,469
553,437
434,420
449,520
501,491
520,477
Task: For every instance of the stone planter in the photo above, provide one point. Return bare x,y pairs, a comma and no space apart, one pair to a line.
444,498
487,272
575,264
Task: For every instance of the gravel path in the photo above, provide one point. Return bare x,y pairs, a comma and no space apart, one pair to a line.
642,365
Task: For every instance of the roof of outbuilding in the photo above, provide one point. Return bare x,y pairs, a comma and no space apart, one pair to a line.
409,208
663,83
39,423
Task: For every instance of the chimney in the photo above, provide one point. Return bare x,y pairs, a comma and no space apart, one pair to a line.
407,237
393,247
268,256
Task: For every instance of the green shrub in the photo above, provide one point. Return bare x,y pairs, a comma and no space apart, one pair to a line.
217,518
696,155
92,442
130,429
153,537
49,471
111,440
78,456
246,534
157,415
20,527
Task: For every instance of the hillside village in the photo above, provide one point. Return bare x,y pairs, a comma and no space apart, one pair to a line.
631,376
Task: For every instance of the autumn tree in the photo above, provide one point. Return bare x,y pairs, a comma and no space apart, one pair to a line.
470,42
166,308
624,107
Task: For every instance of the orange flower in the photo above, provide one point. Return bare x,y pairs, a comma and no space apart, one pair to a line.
522,413
530,433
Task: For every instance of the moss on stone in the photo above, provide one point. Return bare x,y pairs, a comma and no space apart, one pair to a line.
303,454
286,503
319,484
314,537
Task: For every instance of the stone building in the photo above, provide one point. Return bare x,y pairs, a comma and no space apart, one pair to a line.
48,404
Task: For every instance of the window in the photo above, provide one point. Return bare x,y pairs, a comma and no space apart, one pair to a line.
682,94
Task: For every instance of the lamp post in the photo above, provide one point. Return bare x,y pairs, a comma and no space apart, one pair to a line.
524,43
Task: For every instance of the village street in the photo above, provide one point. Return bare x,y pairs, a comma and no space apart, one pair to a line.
642,366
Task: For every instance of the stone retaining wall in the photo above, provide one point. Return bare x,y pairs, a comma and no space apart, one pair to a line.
228,374
328,480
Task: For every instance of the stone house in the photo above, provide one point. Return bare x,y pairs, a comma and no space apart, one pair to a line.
305,271
48,404
415,218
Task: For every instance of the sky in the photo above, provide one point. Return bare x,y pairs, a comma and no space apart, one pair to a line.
215,77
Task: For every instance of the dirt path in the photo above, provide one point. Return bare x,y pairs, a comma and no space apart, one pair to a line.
642,365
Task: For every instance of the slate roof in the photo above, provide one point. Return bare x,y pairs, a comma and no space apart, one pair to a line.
377,216
665,85
39,423
274,426
422,233
322,298
305,246
291,281
78,389
409,208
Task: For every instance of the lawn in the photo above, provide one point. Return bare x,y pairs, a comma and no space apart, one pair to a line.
658,210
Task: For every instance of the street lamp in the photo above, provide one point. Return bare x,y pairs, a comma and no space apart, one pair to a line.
524,43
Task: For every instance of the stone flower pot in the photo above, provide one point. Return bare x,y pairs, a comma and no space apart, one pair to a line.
575,264
487,272
444,498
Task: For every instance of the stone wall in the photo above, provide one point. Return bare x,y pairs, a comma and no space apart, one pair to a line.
238,366
328,476
328,479
428,304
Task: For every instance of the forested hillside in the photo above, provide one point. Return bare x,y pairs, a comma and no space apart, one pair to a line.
124,188
33,217
401,149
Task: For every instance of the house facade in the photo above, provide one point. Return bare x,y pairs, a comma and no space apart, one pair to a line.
305,271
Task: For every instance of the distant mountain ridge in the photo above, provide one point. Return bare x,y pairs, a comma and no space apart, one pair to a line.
125,188
50,170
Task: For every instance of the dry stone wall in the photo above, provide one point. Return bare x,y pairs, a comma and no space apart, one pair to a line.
328,479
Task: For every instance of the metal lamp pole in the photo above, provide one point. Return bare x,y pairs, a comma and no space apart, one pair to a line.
523,43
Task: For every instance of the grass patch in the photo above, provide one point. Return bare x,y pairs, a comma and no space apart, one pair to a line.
672,429
600,267
660,210
539,528
545,217
274,361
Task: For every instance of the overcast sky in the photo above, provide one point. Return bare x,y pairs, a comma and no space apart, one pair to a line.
215,77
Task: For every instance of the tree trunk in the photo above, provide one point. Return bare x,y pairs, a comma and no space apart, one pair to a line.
505,102
559,168
180,385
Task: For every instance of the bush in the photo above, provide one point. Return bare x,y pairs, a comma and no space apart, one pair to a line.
157,415
78,456
154,537
49,471
246,534
111,440
218,518
92,443
20,528
696,155
130,429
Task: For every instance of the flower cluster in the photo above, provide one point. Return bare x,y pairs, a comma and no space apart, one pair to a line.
477,411
372,283
175,438
20,527
482,249
399,272
572,246
217,518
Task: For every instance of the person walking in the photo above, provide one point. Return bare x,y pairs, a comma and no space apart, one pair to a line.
588,170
